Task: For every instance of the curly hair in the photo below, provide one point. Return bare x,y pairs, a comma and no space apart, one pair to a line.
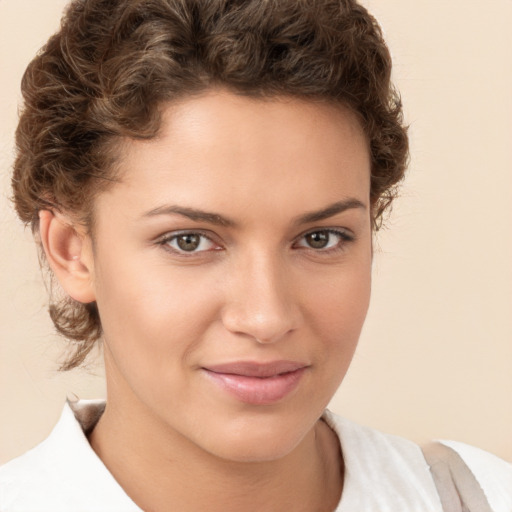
113,63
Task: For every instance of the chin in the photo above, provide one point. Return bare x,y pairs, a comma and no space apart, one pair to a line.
257,437
257,449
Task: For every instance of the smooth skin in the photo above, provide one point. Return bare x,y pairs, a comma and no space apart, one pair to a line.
241,232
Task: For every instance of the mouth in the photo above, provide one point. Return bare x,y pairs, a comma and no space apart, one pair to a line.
257,383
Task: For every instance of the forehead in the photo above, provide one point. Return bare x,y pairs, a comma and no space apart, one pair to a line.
244,125
227,150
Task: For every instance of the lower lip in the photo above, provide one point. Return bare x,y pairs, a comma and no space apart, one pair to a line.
256,390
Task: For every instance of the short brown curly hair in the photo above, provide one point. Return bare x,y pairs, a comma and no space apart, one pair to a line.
104,75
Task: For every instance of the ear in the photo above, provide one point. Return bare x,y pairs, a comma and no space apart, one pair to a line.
69,254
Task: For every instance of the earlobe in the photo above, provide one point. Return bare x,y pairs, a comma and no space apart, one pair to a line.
69,255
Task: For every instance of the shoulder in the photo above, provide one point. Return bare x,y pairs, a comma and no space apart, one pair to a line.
371,447
29,475
493,474
60,473
392,465
382,471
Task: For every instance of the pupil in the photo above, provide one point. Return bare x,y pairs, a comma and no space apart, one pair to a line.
188,242
318,240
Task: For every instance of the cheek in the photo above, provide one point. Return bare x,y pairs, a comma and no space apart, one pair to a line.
340,301
152,316
337,311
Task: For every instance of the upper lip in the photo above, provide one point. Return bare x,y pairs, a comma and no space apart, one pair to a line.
256,369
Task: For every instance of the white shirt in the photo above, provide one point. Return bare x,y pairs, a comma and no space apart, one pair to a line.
383,473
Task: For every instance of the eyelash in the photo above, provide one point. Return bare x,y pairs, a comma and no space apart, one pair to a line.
170,237
345,237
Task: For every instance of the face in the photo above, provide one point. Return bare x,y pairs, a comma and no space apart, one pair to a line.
231,268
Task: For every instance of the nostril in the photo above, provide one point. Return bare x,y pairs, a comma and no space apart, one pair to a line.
262,329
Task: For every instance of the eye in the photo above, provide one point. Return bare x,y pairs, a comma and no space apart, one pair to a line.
325,239
188,242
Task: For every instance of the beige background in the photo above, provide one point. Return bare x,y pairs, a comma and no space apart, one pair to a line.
436,353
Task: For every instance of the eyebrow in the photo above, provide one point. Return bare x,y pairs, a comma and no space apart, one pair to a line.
219,220
330,211
192,214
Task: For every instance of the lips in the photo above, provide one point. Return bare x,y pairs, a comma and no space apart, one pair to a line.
257,383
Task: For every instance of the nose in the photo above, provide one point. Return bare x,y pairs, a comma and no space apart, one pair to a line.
262,302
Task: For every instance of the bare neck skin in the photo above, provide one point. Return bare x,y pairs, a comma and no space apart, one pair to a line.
157,467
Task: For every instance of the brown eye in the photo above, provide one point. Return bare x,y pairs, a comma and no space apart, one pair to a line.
188,242
325,240
318,239
191,243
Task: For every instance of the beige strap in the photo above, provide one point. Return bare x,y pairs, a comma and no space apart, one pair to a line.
458,488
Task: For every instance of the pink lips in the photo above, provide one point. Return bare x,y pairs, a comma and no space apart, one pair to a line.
256,383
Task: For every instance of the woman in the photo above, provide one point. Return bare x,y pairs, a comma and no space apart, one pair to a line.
204,179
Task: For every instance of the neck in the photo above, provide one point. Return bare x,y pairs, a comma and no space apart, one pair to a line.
157,466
